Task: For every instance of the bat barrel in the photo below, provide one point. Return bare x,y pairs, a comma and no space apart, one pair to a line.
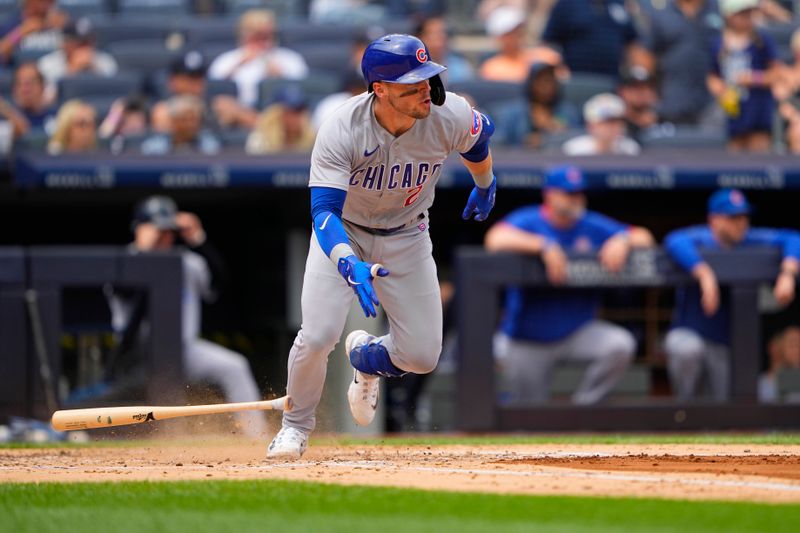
103,417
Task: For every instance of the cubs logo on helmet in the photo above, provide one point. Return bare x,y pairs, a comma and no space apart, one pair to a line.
400,58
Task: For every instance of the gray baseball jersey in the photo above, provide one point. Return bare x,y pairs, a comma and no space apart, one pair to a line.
389,180
390,185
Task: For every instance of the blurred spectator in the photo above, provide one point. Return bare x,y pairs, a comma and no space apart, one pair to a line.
187,133
77,55
678,37
30,110
283,126
604,115
36,26
744,67
433,32
352,85
258,57
594,35
513,62
783,350
538,12
698,342
126,119
542,111
76,129
158,226
187,76
638,91
787,93
542,327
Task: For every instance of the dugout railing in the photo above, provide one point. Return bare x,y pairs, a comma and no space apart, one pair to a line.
481,279
32,284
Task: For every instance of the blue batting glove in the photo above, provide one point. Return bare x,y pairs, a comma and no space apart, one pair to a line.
481,202
359,276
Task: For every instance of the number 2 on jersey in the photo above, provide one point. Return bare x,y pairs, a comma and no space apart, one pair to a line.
413,195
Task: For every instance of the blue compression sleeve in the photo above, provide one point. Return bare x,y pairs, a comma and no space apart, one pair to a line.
326,212
480,150
680,245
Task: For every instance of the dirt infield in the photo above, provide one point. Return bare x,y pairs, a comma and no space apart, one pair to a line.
700,471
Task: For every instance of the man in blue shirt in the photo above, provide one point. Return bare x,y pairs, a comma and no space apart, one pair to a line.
698,340
594,35
544,327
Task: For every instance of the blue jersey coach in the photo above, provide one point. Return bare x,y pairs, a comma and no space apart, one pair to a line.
697,344
543,327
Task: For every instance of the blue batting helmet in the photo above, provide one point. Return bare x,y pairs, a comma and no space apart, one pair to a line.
399,58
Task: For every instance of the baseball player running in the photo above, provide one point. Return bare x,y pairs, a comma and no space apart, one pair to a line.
374,167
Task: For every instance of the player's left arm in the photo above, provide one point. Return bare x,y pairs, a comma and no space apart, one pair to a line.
478,161
327,204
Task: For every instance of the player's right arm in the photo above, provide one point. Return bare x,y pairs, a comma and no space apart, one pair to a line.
326,212
682,245
329,181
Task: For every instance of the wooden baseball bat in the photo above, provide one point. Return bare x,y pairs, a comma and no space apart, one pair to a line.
104,417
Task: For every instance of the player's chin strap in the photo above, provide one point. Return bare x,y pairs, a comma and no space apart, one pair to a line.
438,92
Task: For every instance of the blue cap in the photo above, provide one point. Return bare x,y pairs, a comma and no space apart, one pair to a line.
567,178
292,96
729,202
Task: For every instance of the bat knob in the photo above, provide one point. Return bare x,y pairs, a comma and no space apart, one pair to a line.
374,269
288,404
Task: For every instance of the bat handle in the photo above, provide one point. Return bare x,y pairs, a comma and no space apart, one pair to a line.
374,269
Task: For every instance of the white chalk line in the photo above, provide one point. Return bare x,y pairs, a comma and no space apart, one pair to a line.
371,464
542,473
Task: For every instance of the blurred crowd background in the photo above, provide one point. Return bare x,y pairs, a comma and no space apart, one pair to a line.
571,76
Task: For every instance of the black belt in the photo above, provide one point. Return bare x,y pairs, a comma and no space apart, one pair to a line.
386,231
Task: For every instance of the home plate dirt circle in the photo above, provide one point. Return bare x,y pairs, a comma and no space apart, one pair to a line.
764,473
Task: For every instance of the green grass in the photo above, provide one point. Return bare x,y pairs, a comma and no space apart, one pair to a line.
281,506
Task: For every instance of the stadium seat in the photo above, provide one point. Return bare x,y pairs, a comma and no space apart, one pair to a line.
213,87
84,8
283,9
298,33
121,29
87,86
146,55
487,93
156,8
214,49
213,30
551,143
29,55
236,138
327,57
581,86
782,32
316,87
668,136
7,7
6,81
